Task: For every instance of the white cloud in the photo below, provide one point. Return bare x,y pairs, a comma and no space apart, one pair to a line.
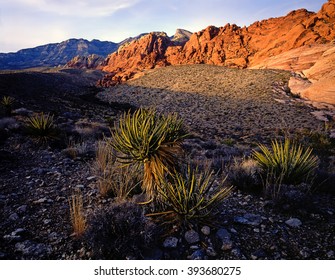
77,8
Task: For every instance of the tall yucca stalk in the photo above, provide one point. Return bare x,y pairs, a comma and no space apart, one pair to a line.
149,139
191,195
288,161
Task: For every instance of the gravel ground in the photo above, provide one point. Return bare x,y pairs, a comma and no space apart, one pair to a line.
227,112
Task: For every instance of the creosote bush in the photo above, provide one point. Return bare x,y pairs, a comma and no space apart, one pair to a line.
191,196
150,141
244,174
287,163
121,231
42,128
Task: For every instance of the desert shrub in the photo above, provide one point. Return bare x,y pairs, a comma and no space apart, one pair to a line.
318,140
77,214
287,163
120,232
79,149
7,103
42,128
191,196
244,174
151,141
113,177
90,130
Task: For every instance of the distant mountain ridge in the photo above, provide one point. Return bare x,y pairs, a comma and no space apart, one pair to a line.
55,54
78,53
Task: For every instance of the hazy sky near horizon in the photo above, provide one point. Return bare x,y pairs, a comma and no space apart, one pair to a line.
30,23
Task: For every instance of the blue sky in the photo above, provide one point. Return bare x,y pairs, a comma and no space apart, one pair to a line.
29,23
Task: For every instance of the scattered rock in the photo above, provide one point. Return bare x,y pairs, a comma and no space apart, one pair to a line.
258,254
91,178
330,254
40,201
13,217
191,236
170,242
22,209
293,222
249,219
211,252
19,232
206,230
198,255
34,250
224,236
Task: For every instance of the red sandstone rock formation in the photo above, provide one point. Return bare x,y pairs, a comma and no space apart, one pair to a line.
230,45
146,53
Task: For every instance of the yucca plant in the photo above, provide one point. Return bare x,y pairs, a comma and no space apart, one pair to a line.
7,102
42,128
288,162
148,139
191,196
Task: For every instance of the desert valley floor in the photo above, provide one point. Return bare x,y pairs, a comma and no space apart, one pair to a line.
227,113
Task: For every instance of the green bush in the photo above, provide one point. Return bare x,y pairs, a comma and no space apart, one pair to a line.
42,128
151,141
288,162
191,196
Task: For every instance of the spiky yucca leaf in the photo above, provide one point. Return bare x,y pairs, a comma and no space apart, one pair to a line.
288,161
191,195
7,102
41,127
149,139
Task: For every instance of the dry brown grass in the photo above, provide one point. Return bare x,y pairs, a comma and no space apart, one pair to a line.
113,177
78,218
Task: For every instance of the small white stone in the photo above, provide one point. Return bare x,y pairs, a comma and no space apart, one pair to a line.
293,222
206,230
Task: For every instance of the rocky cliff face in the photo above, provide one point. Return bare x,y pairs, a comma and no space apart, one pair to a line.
92,61
145,53
55,54
181,36
242,47
230,45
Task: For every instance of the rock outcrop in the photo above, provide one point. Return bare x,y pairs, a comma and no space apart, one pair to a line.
92,61
320,83
181,36
145,53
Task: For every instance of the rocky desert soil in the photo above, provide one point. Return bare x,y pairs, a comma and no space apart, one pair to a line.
227,112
